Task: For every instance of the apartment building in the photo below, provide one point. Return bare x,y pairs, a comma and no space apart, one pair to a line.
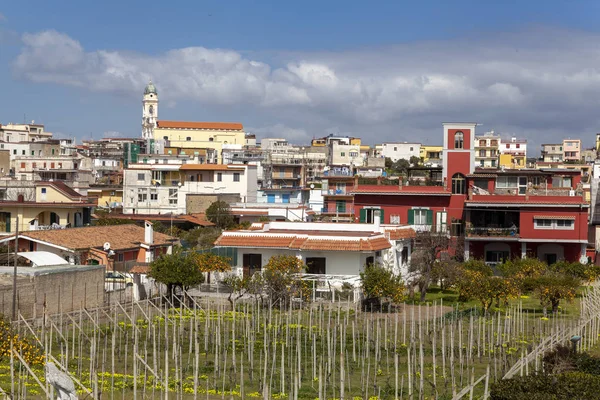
179,187
23,132
75,171
431,155
552,152
513,153
487,150
572,150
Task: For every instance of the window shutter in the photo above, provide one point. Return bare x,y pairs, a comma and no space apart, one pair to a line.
429,217
411,217
363,215
382,219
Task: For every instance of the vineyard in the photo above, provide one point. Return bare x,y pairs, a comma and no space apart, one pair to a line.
329,351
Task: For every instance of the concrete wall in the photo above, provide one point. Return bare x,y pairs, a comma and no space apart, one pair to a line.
65,291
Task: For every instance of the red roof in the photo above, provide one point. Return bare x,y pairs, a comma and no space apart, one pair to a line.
63,188
543,200
228,126
302,242
400,190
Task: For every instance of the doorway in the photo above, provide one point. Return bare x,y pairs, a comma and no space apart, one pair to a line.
316,265
251,264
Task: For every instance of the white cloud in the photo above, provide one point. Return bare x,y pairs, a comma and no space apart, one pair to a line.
543,81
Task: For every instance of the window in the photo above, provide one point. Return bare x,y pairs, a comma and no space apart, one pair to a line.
33,152
165,138
153,195
395,149
481,153
15,151
236,176
496,257
441,221
482,143
173,197
343,154
493,163
189,138
367,214
507,182
420,216
411,149
23,165
548,223
507,146
395,219
482,163
43,190
459,138
481,183
536,180
457,228
141,177
353,154
459,185
210,139
23,152
561,181
518,145
219,177
340,206
142,195
33,165
52,151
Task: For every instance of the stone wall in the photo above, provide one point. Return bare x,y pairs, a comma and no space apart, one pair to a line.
198,203
63,290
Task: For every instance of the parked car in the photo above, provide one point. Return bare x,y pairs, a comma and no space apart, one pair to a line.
117,280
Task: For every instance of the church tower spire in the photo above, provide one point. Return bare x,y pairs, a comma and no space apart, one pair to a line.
149,111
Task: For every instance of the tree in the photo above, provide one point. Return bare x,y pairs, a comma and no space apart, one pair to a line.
219,214
380,283
552,287
280,282
388,163
209,262
401,166
522,272
243,285
176,270
414,161
427,253
446,273
201,238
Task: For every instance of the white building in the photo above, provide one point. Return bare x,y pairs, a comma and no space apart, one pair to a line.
326,248
166,187
345,155
398,151
514,146
23,132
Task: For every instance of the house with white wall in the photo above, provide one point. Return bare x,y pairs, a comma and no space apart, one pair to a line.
325,248
397,151
164,188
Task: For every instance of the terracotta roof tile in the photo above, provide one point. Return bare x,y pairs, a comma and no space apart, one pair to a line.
120,237
210,167
229,126
402,233
572,217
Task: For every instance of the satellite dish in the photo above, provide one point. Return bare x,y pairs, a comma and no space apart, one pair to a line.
179,184
106,246
312,185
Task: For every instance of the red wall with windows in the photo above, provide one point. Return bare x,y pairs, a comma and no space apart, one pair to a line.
527,228
458,162
400,204
466,138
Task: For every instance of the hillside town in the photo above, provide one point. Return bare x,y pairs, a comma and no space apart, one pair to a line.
350,201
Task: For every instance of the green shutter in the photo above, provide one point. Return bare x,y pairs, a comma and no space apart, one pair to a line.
363,215
382,219
429,217
411,217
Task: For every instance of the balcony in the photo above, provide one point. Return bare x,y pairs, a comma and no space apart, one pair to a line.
335,192
333,209
339,172
499,232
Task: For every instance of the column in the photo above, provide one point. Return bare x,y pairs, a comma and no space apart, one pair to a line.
467,252
523,250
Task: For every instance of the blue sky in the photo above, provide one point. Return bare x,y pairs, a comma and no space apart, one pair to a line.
381,70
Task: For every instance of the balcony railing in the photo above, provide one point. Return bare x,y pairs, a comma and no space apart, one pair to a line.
339,172
334,192
505,232
337,210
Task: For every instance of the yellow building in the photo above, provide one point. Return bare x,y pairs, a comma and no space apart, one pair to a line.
199,135
430,153
46,205
512,161
106,196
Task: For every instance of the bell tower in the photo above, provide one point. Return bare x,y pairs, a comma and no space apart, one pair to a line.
149,111
459,153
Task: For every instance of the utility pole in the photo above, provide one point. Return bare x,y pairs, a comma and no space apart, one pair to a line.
14,299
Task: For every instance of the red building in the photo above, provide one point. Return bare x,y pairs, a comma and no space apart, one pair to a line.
500,213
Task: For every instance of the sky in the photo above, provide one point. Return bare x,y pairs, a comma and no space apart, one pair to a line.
383,71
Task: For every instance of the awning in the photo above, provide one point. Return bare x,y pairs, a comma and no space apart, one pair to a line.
572,217
43,258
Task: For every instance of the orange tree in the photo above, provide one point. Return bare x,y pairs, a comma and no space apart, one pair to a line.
477,281
280,279
553,287
209,262
178,270
380,283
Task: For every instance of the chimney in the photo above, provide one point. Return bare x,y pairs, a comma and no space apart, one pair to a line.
148,233
377,220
